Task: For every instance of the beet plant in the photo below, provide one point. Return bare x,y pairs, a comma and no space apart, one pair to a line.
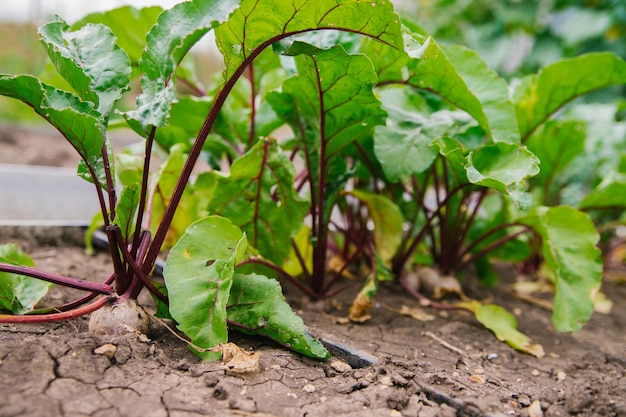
341,142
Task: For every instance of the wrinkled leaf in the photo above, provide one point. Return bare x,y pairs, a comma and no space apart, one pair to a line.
257,303
403,146
257,24
19,293
99,73
537,97
364,301
199,274
130,37
503,167
460,76
258,196
568,246
331,95
504,325
168,41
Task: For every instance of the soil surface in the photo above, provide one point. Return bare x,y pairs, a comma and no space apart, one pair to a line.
442,364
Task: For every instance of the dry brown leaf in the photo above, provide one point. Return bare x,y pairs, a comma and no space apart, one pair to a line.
535,349
336,263
359,310
416,313
601,304
238,361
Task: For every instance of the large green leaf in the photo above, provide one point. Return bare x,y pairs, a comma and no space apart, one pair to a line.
199,274
569,249
19,293
77,121
460,76
258,196
539,96
168,41
403,146
128,24
257,24
330,98
388,221
258,305
503,167
90,60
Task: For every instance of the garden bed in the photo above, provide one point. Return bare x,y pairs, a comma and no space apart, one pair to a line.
445,365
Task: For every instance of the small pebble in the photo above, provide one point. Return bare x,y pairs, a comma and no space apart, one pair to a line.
107,350
308,388
386,381
340,366
492,356
399,380
535,409
560,376
535,372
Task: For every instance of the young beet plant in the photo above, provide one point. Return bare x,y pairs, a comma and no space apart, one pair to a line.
205,293
400,152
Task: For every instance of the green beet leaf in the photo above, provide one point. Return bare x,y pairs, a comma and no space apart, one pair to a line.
332,95
556,145
259,197
403,146
77,121
256,25
198,275
168,41
504,325
257,304
569,249
388,221
503,167
130,37
126,208
90,60
539,96
19,293
460,76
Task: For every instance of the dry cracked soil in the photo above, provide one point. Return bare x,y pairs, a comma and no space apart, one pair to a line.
447,365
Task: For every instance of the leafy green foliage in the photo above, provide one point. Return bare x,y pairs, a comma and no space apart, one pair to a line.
19,293
397,144
167,42
258,196
537,97
569,249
